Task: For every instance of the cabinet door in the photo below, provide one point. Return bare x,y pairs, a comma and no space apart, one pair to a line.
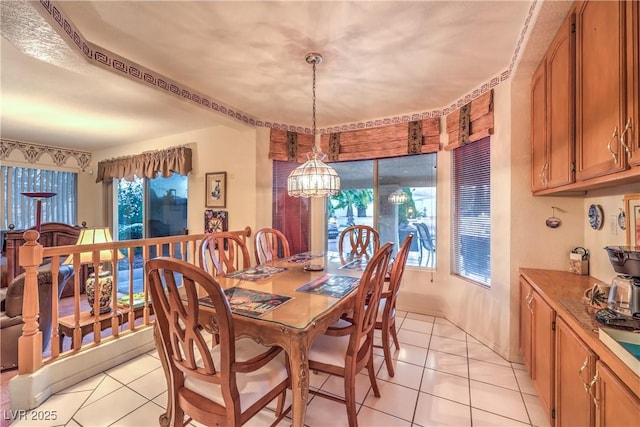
615,404
600,88
539,129
560,152
632,123
526,295
575,367
542,351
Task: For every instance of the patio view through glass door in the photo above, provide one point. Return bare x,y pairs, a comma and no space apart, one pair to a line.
364,199
148,208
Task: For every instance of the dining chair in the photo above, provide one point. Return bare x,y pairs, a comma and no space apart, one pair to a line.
425,242
270,244
224,385
347,346
386,320
361,240
222,253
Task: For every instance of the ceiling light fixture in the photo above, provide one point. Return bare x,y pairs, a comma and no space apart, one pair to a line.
398,197
314,178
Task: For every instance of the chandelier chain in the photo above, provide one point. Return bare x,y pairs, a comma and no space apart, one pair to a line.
314,104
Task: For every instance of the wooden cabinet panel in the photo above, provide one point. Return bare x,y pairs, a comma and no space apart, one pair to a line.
575,367
632,123
600,88
560,106
539,129
526,292
552,113
543,351
615,404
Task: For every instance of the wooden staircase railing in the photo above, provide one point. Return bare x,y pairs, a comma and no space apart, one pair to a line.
32,254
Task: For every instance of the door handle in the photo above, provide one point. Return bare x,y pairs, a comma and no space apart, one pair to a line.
614,136
627,128
582,368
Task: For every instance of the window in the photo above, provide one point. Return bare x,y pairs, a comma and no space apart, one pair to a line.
364,199
151,207
471,222
20,210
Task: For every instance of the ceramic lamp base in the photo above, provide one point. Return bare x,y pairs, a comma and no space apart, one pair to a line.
105,286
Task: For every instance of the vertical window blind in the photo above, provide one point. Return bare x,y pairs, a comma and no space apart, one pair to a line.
20,210
471,222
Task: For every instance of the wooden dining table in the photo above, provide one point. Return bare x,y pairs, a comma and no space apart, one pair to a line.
294,324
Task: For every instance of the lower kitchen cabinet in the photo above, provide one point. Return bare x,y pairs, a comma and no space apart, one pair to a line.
542,351
575,368
614,402
579,381
526,311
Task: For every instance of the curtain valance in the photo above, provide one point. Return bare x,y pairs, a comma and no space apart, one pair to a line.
146,165
471,122
399,139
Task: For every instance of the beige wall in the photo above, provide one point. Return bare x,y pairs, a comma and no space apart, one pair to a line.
215,149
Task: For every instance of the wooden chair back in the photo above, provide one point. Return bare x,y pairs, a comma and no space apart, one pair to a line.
222,253
395,277
361,240
368,297
200,385
270,244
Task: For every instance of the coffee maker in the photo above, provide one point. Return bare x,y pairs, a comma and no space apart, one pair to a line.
624,296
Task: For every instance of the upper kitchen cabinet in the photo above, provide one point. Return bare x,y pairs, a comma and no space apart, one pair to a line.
632,130
552,109
601,88
585,122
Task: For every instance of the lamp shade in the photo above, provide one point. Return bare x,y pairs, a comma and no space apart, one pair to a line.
91,236
314,178
398,197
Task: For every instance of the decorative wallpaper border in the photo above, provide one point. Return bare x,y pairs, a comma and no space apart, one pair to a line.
33,152
110,61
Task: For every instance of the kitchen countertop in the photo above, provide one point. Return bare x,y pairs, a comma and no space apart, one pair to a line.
563,291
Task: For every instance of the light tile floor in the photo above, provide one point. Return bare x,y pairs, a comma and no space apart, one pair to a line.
444,377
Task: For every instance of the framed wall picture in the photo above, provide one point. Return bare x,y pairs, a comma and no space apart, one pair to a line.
215,221
632,215
216,190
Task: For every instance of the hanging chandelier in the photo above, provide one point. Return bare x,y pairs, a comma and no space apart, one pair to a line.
398,197
314,178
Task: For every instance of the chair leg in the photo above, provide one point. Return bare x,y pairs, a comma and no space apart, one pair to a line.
350,398
280,403
372,376
386,347
394,333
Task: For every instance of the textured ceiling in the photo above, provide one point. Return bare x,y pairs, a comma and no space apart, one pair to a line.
381,60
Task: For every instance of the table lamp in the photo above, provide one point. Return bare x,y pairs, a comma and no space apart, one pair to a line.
90,236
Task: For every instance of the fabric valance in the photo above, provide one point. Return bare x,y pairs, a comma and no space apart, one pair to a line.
146,165
471,122
399,139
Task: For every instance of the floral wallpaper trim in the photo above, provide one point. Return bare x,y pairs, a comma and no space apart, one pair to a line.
33,152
